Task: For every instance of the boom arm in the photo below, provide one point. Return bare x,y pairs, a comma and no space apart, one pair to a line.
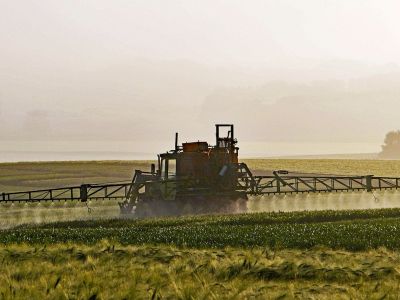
267,185
83,193
247,183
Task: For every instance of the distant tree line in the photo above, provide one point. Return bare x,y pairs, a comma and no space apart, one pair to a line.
391,146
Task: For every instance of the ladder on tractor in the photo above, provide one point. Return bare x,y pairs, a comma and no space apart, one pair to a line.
138,182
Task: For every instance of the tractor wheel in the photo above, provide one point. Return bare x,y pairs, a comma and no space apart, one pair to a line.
144,210
125,208
187,209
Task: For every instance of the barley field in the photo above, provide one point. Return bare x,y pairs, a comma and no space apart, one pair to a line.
113,271
287,255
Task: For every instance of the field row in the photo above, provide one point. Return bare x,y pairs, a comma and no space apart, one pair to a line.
351,230
260,219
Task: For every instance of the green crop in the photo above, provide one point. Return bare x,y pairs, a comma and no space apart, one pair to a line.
351,230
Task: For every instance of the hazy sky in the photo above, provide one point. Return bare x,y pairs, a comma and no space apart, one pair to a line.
282,71
231,32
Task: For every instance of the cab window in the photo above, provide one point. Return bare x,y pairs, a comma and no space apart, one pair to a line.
168,168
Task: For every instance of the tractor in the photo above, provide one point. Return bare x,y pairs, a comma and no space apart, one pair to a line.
193,178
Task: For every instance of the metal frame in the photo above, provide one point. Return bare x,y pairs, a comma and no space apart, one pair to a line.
266,185
75,193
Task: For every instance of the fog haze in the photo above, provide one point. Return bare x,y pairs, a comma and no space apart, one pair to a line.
295,77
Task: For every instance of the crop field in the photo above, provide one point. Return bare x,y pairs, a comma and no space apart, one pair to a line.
112,271
28,175
351,230
340,254
313,247
36,175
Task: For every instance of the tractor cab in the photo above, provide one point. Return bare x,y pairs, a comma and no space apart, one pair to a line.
200,162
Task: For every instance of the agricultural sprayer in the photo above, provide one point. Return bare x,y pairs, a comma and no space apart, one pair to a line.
196,178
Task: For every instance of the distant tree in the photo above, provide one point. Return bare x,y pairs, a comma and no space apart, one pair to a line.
391,146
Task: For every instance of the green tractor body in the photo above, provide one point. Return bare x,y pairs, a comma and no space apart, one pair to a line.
193,178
